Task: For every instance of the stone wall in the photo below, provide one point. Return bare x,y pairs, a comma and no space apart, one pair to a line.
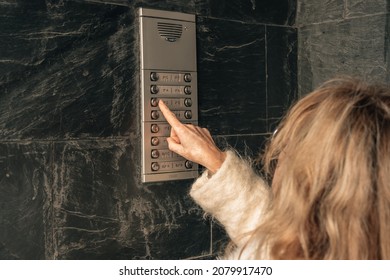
342,37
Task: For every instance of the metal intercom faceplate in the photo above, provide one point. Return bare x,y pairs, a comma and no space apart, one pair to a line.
168,72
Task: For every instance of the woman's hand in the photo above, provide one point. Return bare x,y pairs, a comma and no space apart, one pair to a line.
192,142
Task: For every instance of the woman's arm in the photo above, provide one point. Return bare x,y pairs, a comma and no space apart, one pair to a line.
234,194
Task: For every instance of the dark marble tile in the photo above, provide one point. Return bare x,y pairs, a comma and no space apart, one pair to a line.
257,11
231,77
66,70
248,146
282,44
309,11
25,199
183,6
102,212
341,48
221,240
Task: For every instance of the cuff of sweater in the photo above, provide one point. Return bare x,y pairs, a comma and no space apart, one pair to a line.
206,187
206,176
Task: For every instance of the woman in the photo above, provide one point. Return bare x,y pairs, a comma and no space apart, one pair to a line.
330,191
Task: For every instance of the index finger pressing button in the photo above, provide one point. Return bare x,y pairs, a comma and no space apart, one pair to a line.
169,115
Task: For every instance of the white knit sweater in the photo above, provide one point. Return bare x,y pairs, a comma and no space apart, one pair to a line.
237,197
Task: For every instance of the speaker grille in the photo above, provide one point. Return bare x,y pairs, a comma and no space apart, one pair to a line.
170,31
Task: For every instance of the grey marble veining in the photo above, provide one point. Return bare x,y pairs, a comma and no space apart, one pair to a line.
351,47
356,8
282,72
68,72
101,211
280,12
309,11
231,77
25,200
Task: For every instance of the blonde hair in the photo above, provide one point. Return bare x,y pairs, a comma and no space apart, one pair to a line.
331,198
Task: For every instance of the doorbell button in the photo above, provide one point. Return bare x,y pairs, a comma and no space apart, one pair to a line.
187,77
154,76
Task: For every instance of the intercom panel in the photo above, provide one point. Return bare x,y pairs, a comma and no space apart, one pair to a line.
169,73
